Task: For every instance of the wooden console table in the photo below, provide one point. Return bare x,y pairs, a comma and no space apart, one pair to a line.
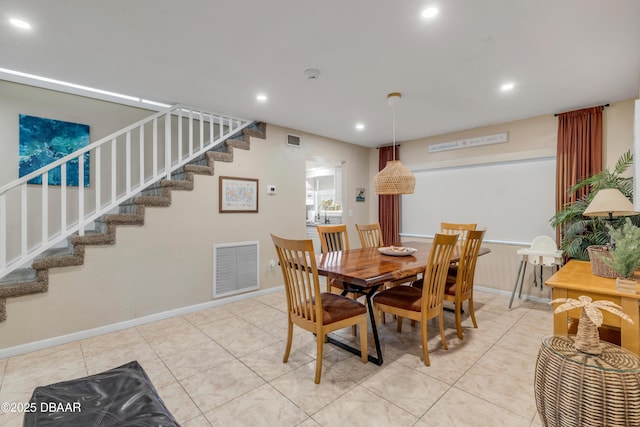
575,279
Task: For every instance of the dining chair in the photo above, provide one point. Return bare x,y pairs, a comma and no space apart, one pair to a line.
426,303
317,312
459,287
461,230
333,238
370,235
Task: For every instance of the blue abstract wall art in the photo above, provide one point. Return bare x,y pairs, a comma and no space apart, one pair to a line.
43,141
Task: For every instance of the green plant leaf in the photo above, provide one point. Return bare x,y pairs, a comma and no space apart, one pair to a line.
577,231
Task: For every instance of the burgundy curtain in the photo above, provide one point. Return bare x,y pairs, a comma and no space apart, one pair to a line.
579,153
389,205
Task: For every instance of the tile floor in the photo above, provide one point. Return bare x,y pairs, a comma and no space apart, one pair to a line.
223,367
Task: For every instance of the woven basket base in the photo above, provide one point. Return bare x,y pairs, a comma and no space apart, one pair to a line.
583,390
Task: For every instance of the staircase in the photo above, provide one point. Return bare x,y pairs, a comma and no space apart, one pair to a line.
191,143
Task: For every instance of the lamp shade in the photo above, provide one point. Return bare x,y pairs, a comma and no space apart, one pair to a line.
395,178
609,202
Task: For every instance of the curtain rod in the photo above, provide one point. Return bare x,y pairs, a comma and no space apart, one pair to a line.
387,145
601,106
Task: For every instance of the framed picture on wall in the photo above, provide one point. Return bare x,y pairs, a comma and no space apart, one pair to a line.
360,194
43,141
238,195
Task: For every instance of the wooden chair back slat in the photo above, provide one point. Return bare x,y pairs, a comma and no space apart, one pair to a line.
370,235
300,273
333,238
461,229
467,265
435,274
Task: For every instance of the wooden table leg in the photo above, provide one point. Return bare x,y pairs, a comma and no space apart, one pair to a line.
560,320
630,333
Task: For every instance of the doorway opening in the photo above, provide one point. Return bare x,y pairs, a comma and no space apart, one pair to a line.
324,194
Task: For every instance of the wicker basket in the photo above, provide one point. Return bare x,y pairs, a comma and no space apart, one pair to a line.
598,266
576,389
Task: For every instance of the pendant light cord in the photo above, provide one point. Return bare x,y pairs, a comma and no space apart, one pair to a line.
393,110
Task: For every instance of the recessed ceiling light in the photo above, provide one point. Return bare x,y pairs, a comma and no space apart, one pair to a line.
507,87
430,12
261,97
20,23
360,126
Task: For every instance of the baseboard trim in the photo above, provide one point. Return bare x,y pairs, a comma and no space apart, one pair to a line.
88,333
503,293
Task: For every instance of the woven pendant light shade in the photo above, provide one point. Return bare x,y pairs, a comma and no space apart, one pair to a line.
394,179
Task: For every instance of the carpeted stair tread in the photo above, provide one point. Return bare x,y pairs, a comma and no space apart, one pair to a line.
56,252
153,200
236,143
177,184
221,156
61,257
19,276
18,289
106,238
199,169
125,219
63,261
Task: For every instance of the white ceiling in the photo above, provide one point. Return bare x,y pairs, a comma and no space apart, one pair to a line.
219,54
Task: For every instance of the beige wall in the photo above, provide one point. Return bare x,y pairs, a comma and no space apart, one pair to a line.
168,262
103,117
528,138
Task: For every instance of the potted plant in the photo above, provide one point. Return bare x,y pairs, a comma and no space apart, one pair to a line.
578,232
624,256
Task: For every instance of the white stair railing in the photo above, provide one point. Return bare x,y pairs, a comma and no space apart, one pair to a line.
34,218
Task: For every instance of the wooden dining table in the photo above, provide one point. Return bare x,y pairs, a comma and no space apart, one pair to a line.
363,271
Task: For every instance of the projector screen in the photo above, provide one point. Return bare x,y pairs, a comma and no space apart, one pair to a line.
514,200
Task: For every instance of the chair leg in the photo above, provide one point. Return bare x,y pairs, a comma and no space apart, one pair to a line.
399,324
364,350
442,337
458,309
287,349
425,349
472,312
319,347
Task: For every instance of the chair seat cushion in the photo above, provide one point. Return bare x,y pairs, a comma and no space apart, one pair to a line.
405,297
336,308
450,286
453,271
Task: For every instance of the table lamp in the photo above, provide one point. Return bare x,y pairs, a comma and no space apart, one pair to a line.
609,202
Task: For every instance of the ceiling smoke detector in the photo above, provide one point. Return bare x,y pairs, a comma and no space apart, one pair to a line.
311,73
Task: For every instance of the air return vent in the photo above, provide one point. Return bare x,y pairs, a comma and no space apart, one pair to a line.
235,268
294,141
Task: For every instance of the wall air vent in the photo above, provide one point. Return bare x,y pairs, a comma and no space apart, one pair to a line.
294,141
235,268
